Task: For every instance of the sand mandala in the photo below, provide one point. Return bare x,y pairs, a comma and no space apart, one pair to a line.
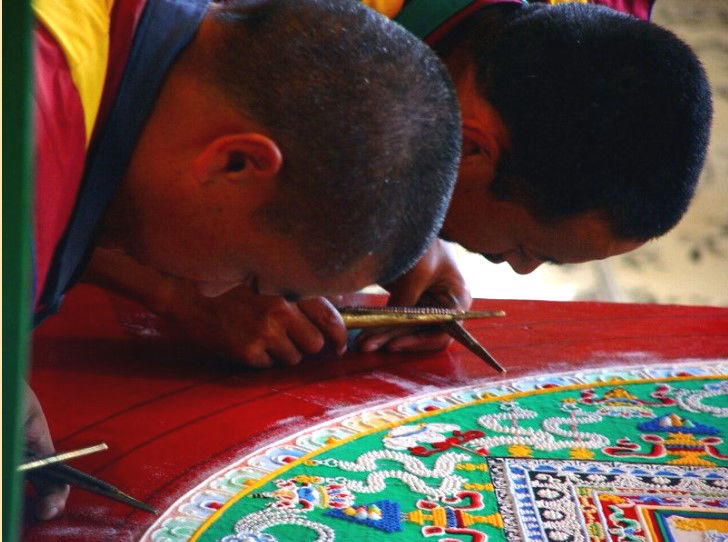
620,455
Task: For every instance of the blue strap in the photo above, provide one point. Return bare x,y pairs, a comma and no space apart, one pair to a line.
165,28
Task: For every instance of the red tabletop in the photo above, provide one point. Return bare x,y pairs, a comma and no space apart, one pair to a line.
107,371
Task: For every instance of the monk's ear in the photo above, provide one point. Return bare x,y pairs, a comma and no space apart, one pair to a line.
237,158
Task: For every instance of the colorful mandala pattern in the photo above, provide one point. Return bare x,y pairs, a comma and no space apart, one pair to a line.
620,455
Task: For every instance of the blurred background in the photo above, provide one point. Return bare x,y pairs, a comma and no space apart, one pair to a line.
689,265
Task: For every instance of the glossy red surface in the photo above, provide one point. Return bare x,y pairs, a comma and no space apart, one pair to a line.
106,370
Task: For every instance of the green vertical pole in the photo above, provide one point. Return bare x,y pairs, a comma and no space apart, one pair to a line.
16,296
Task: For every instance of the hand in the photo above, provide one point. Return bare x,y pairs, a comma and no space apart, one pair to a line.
239,324
51,496
255,329
434,281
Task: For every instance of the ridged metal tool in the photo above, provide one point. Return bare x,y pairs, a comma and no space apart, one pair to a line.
450,320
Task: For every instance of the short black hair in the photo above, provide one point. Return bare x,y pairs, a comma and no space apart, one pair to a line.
366,118
605,112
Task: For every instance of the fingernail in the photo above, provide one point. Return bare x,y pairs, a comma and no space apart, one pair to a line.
48,511
369,346
342,350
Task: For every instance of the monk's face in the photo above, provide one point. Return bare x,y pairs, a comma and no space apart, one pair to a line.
506,231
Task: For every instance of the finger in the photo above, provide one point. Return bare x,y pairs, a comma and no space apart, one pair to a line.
36,433
406,297
302,334
51,499
419,342
37,437
254,356
439,297
328,320
338,300
446,296
371,340
284,351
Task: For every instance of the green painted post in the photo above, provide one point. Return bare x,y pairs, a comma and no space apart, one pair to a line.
17,188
